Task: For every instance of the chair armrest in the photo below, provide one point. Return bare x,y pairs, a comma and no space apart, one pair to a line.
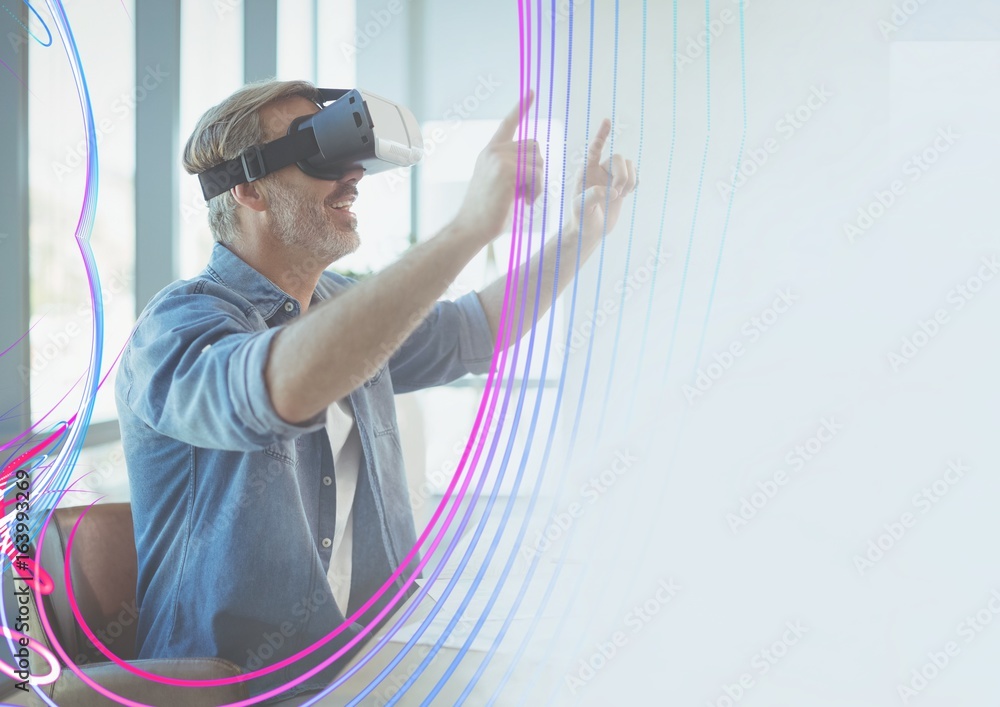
70,690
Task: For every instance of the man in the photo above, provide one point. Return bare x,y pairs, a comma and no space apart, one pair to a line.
256,399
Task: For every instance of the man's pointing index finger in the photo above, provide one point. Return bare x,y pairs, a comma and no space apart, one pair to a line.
508,126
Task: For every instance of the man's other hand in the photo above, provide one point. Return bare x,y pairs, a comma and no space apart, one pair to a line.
607,185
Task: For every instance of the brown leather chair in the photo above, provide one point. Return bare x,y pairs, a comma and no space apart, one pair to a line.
103,574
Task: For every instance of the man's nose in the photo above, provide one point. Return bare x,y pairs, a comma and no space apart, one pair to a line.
353,176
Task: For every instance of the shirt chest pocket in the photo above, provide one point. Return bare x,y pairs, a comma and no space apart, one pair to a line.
283,452
378,404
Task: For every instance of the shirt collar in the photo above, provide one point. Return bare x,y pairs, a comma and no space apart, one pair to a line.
236,274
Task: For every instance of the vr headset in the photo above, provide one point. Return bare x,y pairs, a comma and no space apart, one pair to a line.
340,137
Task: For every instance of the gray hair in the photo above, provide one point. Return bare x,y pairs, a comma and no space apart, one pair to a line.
225,130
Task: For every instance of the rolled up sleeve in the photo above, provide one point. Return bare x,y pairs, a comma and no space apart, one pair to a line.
194,370
454,340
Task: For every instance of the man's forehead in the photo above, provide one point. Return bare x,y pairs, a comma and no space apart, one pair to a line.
277,116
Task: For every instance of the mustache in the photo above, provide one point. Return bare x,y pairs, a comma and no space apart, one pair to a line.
350,192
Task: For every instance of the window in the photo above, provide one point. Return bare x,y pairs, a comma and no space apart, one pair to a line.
61,316
452,148
211,69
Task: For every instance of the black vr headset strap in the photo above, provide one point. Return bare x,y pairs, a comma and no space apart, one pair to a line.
254,162
257,161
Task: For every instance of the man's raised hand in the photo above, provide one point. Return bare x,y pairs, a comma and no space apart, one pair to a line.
495,180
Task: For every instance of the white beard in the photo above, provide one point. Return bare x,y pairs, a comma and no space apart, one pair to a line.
309,228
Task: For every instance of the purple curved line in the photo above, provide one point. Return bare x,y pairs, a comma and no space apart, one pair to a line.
13,73
20,338
502,335
375,621
43,417
496,373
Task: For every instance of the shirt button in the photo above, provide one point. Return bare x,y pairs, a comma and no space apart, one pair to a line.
327,480
327,542
289,306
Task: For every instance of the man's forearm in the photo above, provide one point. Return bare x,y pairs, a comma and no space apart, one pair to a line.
340,343
492,295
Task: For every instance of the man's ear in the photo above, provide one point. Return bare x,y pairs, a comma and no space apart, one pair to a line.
250,196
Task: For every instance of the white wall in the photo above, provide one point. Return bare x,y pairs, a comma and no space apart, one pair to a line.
826,358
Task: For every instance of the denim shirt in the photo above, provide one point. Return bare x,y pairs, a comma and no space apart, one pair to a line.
234,507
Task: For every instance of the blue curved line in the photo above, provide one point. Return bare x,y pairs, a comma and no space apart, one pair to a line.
420,594
457,538
554,579
541,389
572,534
28,29
659,237
487,511
631,229
600,263
84,228
562,379
423,591
401,618
697,202
569,543
501,582
73,440
82,234
732,194
47,31
686,416
505,573
466,557
607,578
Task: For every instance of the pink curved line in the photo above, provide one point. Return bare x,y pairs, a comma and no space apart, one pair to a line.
57,646
499,357
24,434
63,398
294,658
7,470
41,650
306,651
21,338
